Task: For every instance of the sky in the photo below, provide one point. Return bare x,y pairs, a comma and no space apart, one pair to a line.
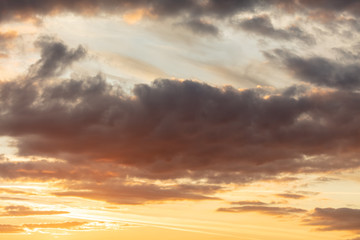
191,119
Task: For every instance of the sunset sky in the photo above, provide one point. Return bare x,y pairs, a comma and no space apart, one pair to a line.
180,119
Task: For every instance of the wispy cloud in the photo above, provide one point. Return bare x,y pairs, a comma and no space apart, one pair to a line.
277,211
26,211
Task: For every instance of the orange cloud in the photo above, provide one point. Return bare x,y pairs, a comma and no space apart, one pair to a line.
26,211
291,195
11,191
64,225
6,42
134,16
6,228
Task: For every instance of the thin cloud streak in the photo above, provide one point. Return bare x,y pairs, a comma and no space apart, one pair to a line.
26,211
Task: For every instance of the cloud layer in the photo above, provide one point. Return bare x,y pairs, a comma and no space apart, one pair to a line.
172,128
334,219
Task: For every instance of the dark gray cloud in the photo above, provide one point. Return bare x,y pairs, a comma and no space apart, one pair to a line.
225,8
335,219
188,9
218,8
201,27
320,6
55,57
320,71
263,26
178,126
324,72
28,9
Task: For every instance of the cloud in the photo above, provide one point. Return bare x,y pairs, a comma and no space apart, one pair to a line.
335,219
165,8
189,12
6,40
321,6
253,203
55,57
63,225
168,130
262,208
320,71
11,191
201,27
173,129
348,55
26,211
119,192
100,181
263,26
267,210
326,179
290,195
189,126
162,8
7,36
6,228
13,199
